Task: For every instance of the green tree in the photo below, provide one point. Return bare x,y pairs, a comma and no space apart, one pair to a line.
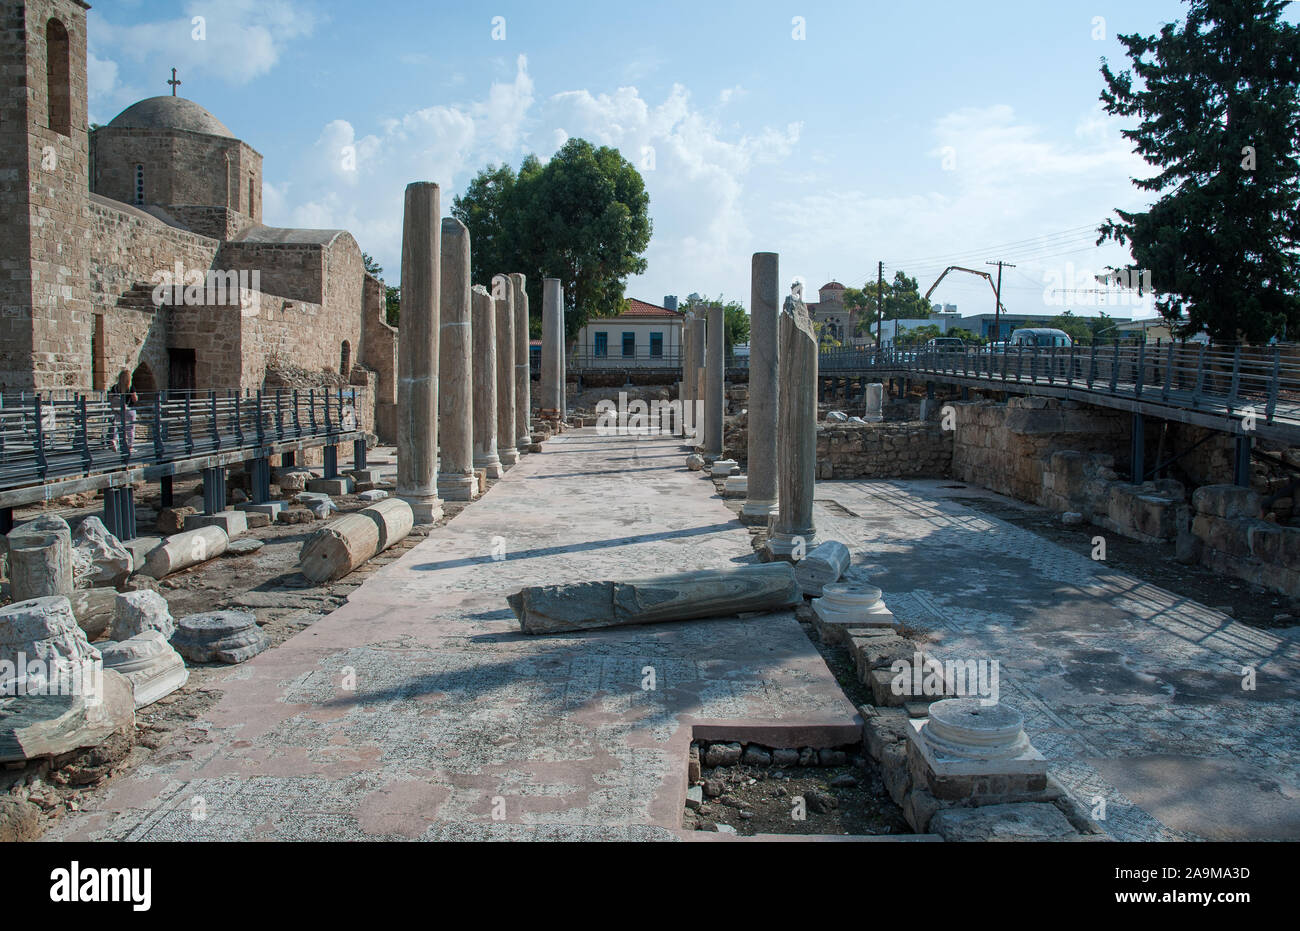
921,334
582,217
735,321
392,305
902,300
1219,117
371,266
966,336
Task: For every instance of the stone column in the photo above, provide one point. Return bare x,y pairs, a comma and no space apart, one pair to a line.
507,439
875,399
792,532
483,327
417,353
716,368
697,377
523,386
552,344
684,389
764,316
455,368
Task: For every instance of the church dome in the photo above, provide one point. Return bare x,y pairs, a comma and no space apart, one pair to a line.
170,113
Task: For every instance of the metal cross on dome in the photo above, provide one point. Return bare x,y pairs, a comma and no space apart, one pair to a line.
174,82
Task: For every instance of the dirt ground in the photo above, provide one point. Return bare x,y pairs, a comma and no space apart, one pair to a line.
764,800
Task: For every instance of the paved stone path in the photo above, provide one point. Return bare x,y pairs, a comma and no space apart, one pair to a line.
459,727
1132,693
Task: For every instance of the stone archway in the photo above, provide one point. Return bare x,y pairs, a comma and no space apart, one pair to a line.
142,379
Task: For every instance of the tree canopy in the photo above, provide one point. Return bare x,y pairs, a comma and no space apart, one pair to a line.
902,300
735,320
582,217
1219,115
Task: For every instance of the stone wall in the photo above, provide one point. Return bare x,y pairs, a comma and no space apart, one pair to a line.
178,168
1086,484
917,449
45,320
1228,536
129,247
379,355
1005,447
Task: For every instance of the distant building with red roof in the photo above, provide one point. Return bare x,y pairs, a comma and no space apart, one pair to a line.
644,335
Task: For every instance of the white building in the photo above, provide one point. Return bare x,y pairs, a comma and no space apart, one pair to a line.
643,336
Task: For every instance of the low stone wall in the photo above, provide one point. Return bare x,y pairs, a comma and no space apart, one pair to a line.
1086,484
920,449
1227,535
1006,447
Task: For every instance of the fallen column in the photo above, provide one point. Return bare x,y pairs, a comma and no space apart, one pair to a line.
764,370
552,346
347,543
705,593
793,533
417,353
40,559
182,550
523,382
503,300
484,327
822,565
455,368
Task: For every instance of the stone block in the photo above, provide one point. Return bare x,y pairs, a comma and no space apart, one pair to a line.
219,636
136,612
98,557
149,663
269,508
172,520
1026,821
722,754
330,486
257,521
367,476
232,522
1226,501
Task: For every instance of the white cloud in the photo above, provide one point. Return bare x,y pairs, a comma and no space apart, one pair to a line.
235,40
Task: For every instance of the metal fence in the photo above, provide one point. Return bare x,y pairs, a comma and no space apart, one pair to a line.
585,358
45,437
1187,375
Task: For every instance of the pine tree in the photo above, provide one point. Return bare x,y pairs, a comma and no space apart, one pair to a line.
1220,118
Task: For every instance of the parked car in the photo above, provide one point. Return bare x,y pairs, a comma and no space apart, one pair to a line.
944,344
1040,337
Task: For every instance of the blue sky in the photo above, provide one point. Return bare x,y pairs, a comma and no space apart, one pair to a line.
920,134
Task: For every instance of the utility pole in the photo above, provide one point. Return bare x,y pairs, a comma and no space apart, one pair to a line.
997,291
880,301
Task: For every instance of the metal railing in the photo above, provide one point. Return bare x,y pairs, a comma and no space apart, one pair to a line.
44,438
1265,379
585,358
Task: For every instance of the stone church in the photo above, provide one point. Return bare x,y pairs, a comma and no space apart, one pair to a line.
136,254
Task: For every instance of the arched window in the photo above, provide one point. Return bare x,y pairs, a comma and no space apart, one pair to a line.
345,360
58,77
139,185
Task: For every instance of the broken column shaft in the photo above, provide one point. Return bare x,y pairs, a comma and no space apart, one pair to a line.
507,439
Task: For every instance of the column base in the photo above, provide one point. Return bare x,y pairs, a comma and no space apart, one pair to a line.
492,465
782,546
508,457
757,513
457,486
523,443
426,508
